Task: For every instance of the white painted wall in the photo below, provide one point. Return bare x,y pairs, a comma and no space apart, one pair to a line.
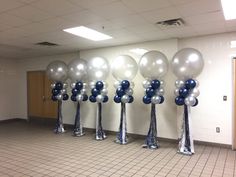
215,81
8,89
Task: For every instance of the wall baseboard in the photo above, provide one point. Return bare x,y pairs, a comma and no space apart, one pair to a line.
51,122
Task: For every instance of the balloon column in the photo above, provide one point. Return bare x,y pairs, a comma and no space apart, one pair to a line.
153,66
124,69
77,74
57,72
187,64
98,70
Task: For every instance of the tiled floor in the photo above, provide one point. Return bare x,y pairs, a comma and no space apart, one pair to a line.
29,150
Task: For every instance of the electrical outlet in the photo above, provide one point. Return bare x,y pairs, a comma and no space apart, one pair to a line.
217,129
224,98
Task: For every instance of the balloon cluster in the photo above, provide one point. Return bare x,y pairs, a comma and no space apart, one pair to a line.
59,91
153,92
124,92
79,91
98,92
186,92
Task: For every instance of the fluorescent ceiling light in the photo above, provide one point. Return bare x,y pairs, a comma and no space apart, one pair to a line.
139,51
229,9
233,44
87,33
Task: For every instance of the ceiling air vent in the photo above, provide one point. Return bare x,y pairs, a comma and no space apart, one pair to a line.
46,44
173,23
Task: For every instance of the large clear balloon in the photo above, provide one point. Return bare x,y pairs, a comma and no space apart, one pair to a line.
124,67
153,65
57,71
187,63
98,69
77,70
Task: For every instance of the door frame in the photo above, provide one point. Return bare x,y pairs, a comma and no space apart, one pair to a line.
233,103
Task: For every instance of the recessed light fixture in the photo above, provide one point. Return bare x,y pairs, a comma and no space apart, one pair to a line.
87,33
233,44
229,9
138,51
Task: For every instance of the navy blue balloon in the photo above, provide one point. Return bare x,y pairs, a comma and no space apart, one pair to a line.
74,91
190,84
120,92
162,99
117,99
54,98
85,97
125,84
179,101
92,99
95,92
105,99
196,103
146,99
155,84
59,86
79,85
183,92
99,85
55,92
65,97
73,97
150,92
131,99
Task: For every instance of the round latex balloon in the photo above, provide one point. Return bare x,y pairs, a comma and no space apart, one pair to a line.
57,71
98,69
187,63
124,67
153,65
77,70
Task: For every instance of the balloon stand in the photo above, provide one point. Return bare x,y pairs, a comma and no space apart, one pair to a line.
59,124
186,145
100,134
151,139
78,128
122,137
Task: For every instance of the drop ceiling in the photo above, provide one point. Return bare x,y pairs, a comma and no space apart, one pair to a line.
23,23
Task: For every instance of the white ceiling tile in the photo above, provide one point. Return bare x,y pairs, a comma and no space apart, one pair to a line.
176,2
205,28
199,7
12,20
84,17
142,6
161,14
204,18
180,32
230,23
58,7
9,4
143,28
153,35
91,3
27,1
112,10
30,13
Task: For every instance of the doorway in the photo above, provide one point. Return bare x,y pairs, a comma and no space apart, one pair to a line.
40,104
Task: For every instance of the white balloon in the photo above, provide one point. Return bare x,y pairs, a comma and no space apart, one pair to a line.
92,84
124,67
63,91
100,98
153,65
83,91
65,85
105,84
98,69
117,84
176,92
179,83
156,99
131,84
195,92
85,85
77,70
162,83
146,84
125,99
59,97
197,83
79,97
187,63
72,85
190,101
160,91
104,91
129,91
53,85
57,71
